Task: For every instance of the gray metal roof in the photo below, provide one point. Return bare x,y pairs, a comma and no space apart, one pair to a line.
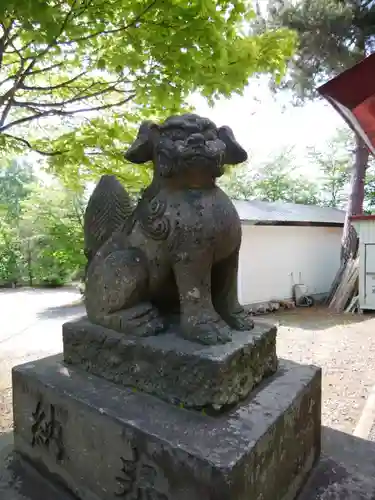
269,212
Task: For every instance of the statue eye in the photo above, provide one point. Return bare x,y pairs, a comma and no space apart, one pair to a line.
178,135
210,135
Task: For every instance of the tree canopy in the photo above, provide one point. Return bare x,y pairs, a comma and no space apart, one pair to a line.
97,67
333,35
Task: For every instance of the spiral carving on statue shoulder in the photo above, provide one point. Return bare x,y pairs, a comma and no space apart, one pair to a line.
152,219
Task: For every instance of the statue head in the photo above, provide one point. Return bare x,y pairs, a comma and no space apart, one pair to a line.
186,149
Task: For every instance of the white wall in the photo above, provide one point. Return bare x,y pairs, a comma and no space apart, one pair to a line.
366,232
271,256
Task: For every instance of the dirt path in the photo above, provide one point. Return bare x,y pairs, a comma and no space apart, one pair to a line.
30,329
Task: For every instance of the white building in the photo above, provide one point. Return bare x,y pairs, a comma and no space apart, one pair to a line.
365,227
285,244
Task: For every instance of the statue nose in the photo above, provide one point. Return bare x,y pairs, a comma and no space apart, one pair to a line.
195,140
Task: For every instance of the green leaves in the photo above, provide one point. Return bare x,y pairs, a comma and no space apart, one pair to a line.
15,179
95,149
274,180
80,69
335,164
41,229
55,216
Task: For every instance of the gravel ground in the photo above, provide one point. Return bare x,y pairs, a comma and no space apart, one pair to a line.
371,436
5,410
344,347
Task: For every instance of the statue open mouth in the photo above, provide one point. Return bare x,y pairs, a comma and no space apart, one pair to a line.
200,154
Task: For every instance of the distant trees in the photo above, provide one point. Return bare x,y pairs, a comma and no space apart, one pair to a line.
41,223
334,162
280,179
41,239
273,180
333,35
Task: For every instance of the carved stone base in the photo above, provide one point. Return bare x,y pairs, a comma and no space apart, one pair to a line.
103,441
172,368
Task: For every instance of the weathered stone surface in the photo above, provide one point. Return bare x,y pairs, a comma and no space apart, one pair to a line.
106,442
178,249
330,480
173,368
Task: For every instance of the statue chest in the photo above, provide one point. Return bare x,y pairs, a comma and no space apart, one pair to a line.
204,220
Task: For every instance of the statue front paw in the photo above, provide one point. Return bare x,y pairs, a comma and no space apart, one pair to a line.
240,320
142,320
211,331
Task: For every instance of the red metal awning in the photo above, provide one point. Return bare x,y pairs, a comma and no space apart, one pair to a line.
352,94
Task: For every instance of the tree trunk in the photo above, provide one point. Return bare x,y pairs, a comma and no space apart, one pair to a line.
349,242
29,266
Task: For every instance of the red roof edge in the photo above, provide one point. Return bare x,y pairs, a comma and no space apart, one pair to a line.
362,217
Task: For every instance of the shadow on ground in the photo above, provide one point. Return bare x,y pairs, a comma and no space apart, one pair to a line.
74,308
356,453
315,318
19,481
346,471
38,291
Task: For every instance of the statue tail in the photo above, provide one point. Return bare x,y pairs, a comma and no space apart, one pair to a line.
108,208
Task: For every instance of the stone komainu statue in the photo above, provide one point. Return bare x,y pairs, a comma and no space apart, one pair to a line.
177,250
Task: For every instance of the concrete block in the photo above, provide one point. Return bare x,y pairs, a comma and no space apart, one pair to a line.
174,369
104,442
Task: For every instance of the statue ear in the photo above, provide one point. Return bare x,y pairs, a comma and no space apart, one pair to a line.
141,151
234,153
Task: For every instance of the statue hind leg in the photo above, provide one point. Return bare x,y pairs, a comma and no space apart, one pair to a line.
116,294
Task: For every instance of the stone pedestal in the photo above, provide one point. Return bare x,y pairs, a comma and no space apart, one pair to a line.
105,441
174,369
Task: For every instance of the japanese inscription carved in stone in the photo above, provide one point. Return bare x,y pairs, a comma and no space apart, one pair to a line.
177,250
46,430
136,480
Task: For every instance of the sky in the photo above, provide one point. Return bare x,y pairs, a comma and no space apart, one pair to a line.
265,124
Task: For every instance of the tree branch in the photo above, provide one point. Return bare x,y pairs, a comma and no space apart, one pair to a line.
22,74
79,213
24,120
115,30
28,71
22,49
48,68
19,78
6,80
4,40
96,108
52,87
8,96
56,112
30,146
67,101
